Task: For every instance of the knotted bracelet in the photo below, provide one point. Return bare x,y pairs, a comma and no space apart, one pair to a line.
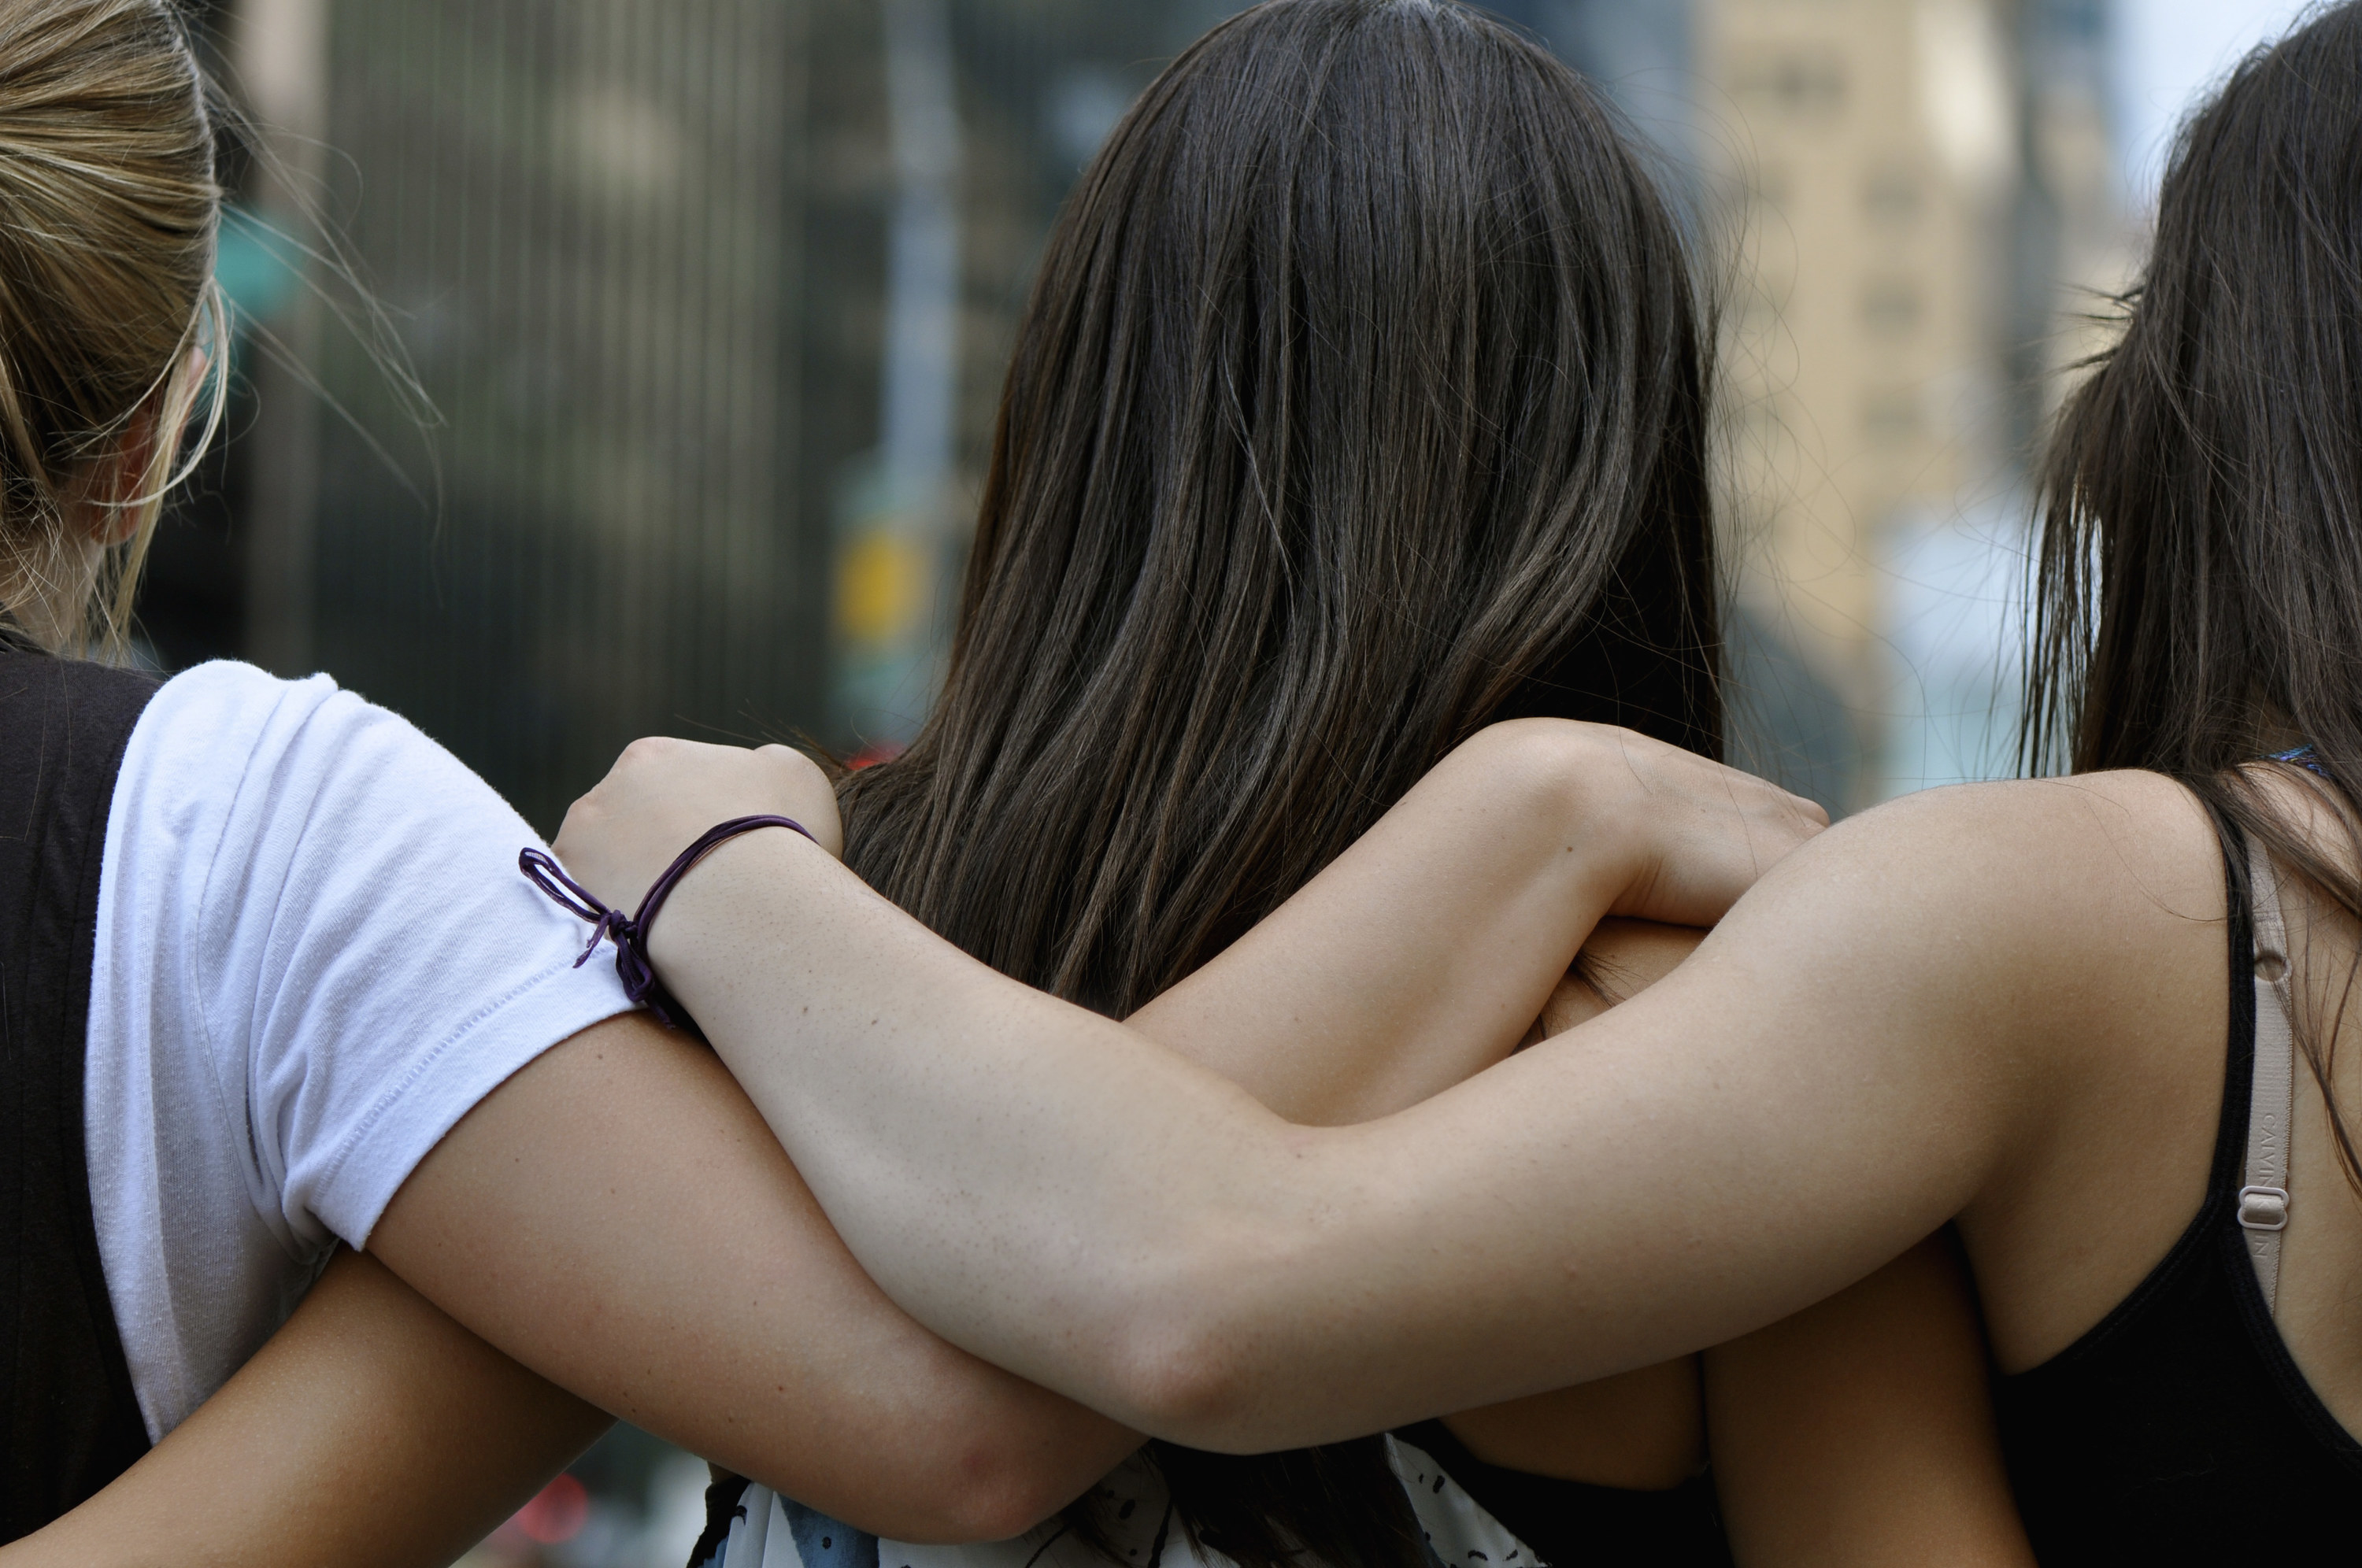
629,932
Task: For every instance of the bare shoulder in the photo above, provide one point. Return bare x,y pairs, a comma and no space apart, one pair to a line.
2094,907
2007,917
2134,815
2046,847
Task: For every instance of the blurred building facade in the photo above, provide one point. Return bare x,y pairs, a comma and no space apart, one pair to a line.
591,226
1903,188
661,403
1862,210
710,301
1863,355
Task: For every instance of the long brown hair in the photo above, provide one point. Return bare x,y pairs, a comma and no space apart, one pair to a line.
1361,402
108,212
2199,596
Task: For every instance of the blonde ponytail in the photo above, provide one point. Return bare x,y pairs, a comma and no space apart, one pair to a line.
109,212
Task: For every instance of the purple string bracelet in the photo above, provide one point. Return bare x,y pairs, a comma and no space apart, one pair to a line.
629,932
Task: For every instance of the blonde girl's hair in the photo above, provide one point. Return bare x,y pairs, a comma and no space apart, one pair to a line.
109,314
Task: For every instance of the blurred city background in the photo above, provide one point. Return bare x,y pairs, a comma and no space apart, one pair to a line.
666,407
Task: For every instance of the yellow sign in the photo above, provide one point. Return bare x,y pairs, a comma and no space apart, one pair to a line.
881,587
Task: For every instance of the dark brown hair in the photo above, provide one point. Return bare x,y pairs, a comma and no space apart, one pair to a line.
1361,402
2199,597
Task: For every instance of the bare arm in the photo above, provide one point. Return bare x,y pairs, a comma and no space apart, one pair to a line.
1845,1065
372,1431
622,1187
1426,951
618,1218
1861,1429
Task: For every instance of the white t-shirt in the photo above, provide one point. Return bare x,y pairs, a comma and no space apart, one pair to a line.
313,956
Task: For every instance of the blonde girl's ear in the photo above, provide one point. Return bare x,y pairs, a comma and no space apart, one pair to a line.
158,446
105,506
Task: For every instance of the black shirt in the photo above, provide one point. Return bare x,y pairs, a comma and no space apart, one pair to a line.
2178,1429
73,1421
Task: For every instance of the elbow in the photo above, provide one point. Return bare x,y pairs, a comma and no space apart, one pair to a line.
995,1481
1202,1338
1184,1371
1169,1373
1547,771
978,1487
1184,1390
977,1456
988,1490
988,1459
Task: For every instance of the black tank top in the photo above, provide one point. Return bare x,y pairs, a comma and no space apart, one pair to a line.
73,1423
1571,1524
2178,1429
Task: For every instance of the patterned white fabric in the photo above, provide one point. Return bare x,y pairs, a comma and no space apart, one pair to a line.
775,1532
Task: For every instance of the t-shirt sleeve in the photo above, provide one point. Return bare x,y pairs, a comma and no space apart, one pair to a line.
370,962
